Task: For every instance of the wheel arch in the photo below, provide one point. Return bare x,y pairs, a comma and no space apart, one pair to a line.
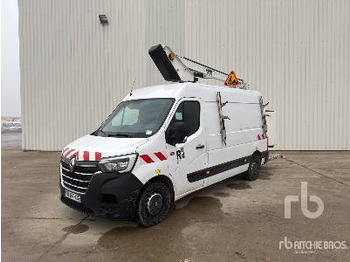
162,179
257,153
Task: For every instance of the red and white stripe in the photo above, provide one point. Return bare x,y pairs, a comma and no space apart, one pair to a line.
151,158
69,152
261,137
89,156
82,155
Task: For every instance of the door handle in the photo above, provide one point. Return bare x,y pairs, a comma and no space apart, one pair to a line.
200,147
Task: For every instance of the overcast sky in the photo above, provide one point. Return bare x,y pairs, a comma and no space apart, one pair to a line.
10,94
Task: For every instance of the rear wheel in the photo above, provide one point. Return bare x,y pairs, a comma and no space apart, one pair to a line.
254,168
154,204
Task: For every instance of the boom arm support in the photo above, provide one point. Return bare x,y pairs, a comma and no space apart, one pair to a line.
176,68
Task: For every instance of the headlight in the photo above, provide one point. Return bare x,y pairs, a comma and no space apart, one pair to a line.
118,163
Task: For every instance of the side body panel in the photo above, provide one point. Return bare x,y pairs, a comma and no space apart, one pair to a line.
153,159
243,131
244,136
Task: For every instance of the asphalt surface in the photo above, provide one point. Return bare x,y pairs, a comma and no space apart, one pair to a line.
234,220
11,140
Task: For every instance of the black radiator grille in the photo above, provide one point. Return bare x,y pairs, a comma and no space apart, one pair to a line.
79,179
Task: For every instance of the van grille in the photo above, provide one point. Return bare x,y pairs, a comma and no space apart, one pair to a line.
80,178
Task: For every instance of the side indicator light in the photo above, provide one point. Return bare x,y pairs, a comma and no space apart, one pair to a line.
172,56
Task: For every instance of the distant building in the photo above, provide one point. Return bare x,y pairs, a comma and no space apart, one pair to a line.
76,65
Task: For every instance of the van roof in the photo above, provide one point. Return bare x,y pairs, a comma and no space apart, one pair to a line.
202,91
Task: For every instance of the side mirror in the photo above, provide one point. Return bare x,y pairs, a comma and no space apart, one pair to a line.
176,133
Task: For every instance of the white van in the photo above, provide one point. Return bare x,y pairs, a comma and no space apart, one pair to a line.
160,144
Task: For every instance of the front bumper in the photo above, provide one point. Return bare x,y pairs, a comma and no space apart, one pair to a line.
108,195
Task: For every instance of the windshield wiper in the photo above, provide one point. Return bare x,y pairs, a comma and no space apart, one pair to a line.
114,134
120,135
103,132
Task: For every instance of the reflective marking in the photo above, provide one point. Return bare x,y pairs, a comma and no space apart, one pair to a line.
86,156
98,156
65,150
68,152
160,156
81,156
147,159
71,153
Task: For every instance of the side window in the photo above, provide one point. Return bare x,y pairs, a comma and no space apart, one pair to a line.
188,112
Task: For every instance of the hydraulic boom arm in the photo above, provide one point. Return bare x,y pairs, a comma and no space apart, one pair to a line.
176,68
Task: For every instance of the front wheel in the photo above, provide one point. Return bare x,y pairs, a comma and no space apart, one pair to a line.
254,168
154,204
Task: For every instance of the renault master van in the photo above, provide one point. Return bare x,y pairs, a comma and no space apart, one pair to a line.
160,144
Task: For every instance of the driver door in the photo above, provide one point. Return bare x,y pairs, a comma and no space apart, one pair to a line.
189,155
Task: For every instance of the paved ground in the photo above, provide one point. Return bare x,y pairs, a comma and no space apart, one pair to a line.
11,140
231,221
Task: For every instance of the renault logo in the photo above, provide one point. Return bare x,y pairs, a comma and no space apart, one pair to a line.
72,164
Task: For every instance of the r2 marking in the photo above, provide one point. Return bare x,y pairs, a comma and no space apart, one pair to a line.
180,154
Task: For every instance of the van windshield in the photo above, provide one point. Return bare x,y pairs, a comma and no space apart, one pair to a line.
136,118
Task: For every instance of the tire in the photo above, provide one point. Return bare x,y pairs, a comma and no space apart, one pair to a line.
154,204
254,168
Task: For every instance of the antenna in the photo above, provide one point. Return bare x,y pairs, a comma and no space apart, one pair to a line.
132,86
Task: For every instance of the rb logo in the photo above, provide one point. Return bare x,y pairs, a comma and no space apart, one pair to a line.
289,199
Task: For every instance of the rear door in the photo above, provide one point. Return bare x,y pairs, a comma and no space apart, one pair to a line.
271,127
190,156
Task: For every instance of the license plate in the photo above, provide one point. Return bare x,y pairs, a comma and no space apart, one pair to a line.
72,196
